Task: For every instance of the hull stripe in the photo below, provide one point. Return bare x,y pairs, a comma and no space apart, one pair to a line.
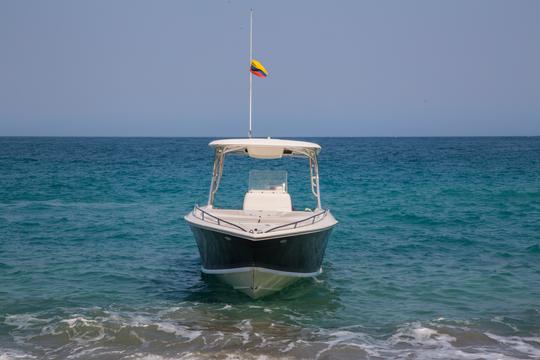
250,268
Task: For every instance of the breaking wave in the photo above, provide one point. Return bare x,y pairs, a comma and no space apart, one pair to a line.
192,332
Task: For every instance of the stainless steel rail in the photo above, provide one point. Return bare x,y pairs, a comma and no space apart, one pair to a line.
295,223
218,220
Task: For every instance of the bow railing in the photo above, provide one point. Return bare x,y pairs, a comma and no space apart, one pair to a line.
218,220
206,216
296,224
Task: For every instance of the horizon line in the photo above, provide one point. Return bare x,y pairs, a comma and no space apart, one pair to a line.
265,137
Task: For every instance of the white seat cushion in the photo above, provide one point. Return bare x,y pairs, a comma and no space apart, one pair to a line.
268,200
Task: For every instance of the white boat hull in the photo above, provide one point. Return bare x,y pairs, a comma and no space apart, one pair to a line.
258,282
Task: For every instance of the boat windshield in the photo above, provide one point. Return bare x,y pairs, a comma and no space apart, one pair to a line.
268,180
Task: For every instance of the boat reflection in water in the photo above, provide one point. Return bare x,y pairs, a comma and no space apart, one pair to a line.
266,245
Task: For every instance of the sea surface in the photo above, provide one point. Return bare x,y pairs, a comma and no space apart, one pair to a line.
436,254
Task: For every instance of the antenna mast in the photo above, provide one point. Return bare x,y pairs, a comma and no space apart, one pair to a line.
250,134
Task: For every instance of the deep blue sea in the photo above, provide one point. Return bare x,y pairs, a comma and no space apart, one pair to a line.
436,254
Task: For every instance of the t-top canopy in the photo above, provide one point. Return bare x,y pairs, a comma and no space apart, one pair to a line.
267,148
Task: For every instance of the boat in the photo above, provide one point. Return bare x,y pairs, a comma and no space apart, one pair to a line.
267,244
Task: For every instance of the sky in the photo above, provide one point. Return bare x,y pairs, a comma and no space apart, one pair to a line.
336,68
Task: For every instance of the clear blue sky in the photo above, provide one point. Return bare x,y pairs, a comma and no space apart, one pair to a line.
337,68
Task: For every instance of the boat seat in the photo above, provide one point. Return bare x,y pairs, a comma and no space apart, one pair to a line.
267,200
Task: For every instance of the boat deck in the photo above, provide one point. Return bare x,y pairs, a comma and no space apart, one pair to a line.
258,221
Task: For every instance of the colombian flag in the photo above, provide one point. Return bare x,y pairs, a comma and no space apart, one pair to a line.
258,69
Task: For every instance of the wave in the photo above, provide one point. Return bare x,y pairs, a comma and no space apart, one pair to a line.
534,249
190,331
11,354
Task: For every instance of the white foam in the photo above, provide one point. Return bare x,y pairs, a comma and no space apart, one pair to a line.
10,354
24,321
291,345
102,351
246,328
144,321
173,310
340,337
417,335
179,330
198,356
140,356
79,320
520,344
429,340
500,320
429,343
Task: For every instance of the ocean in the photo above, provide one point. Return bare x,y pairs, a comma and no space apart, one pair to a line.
436,254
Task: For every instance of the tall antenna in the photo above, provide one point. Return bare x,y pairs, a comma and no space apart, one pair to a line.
250,134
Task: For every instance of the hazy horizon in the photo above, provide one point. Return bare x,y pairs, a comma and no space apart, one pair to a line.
346,69
273,137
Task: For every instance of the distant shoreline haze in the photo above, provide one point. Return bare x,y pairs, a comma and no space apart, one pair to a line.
273,137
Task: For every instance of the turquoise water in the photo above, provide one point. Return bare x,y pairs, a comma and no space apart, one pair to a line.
436,256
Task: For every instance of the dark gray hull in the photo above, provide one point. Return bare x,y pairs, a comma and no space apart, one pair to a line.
301,254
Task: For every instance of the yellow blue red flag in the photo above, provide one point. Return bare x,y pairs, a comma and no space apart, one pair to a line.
258,69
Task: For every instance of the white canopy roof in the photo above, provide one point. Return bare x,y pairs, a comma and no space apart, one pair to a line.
266,148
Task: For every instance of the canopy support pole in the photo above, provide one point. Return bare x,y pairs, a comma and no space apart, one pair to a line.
314,177
216,175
